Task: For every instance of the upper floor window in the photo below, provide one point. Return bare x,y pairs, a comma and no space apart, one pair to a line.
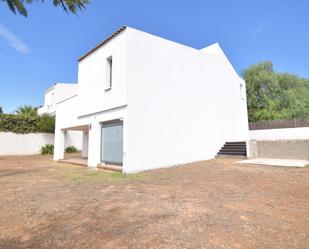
242,91
109,72
53,99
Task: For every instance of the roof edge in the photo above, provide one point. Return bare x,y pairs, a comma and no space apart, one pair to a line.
102,42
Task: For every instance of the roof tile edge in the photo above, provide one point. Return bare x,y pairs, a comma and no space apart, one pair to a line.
103,42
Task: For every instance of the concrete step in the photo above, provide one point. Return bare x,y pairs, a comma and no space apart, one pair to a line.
239,157
110,167
232,149
74,161
232,153
235,143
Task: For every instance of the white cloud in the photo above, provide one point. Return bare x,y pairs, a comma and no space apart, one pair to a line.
13,40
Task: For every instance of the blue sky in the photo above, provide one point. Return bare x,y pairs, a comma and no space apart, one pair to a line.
43,48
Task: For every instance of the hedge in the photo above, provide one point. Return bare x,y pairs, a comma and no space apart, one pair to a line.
24,124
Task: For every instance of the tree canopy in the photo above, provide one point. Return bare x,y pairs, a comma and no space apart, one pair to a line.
272,95
27,110
1,111
18,6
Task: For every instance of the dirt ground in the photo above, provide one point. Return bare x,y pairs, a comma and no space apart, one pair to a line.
212,204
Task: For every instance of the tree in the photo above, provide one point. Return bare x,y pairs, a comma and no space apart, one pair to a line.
1,110
67,5
27,110
273,95
46,123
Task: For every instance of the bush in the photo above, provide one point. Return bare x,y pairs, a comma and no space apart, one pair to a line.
48,149
25,124
46,123
18,124
70,149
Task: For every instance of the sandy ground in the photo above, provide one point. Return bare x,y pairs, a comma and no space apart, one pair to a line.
211,204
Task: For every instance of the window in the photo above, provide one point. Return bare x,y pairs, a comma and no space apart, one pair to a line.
109,73
53,99
242,91
112,143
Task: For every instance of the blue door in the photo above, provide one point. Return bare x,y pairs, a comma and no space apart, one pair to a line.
112,143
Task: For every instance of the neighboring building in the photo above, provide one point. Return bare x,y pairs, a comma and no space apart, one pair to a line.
144,102
56,94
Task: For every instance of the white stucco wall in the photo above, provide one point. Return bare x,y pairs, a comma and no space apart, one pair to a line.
93,103
67,117
183,104
178,104
94,137
280,134
31,143
67,113
23,144
85,144
64,91
74,138
92,78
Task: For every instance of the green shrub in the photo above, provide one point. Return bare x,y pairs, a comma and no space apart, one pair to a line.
48,149
70,149
46,123
26,124
18,124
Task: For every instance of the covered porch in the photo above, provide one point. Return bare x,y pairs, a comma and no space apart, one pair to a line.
79,158
102,145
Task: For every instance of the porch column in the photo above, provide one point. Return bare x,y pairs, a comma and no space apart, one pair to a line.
85,144
59,144
94,144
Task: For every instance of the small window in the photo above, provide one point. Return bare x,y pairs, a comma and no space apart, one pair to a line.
242,91
109,73
53,99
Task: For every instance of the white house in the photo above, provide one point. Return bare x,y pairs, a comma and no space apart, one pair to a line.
56,94
144,102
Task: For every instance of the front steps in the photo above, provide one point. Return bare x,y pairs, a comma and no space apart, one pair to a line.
110,167
233,149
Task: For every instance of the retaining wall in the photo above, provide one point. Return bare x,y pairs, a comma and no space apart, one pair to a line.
284,143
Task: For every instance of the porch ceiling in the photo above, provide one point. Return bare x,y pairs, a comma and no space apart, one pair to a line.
77,128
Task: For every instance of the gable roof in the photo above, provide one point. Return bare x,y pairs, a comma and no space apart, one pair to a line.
103,42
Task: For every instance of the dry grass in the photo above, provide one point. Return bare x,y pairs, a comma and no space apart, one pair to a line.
211,204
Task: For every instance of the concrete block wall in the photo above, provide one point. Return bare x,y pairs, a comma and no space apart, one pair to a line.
283,149
284,143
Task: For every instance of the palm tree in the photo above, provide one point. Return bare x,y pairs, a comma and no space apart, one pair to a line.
67,5
27,110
